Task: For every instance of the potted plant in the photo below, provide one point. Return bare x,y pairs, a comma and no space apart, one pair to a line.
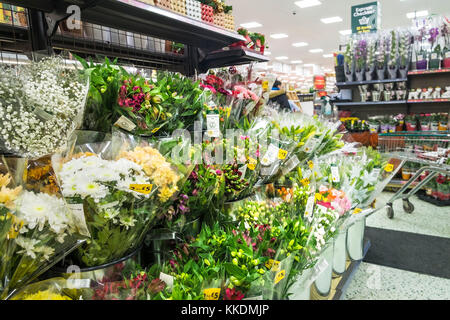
360,59
399,122
411,123
381,57
393,56
445,34
434,124
406,173
443,122
392,125
424,120
404,52
370,61
385,125
349,63
374,125
435,55
421,55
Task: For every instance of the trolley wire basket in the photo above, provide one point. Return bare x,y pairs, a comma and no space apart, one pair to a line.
430,149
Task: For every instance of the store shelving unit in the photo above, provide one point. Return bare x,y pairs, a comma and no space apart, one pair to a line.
359,83
203,41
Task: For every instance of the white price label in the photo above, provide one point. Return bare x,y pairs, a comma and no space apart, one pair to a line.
447,54
271,155
125,123
310,205
291,165
376,172
434,56
79,219
168,279
335,174
213,125
78,283
310,144
420,57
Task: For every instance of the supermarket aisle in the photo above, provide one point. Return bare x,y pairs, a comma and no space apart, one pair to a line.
376,282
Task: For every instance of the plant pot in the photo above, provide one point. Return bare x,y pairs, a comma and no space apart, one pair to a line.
369,75
435,64
301,289
446,61
376,95
340,74
340,254
443,126
392,71
406,175
374,128
434,126
359,75
381,74
411,126
355,240
392,128
349,73
403,72
425,127
422,64
384,128
323,283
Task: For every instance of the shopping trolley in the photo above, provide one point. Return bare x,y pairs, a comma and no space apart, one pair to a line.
430,149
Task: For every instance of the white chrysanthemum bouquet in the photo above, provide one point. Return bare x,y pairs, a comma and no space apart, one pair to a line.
41,104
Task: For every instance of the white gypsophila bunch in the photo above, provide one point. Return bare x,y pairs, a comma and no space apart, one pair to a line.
41,104
97,178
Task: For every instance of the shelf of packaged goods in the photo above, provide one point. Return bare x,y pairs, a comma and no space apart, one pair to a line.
421,72
231,57
370,103
145,19
359,83
430,101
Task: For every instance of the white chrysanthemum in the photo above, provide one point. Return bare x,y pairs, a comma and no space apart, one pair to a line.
28,246
127,222
92,189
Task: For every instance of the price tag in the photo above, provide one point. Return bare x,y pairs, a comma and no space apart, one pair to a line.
141,188
291,164
251,44
389,167
211,294
252,164
447,54
43,115
376,172
280,276
335,174
77,210
125,124
168,279
155,130
420,57
273,265
310,144
213,125
271,155
434,56
78,283
310,205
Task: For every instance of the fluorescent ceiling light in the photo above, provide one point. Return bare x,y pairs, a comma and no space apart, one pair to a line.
345,32
316,50
279,36
412,15
308,3
331,20
300,44
282,58
296,61
328,55
249,25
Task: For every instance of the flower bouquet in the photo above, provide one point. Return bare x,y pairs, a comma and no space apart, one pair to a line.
349,62
37,229
41,105
393,55
421,55
360,59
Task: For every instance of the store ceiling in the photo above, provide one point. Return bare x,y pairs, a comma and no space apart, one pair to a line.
277,17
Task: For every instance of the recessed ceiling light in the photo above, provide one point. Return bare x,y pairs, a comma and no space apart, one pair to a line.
249,25
308,3
279,36
345,32
300,44
328,55
282,58
316,50
267,53
331,20
296,61
416,14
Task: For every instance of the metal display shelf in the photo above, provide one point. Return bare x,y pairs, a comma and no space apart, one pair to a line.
370,103
139,17
359,83
422,72
231,57
430,101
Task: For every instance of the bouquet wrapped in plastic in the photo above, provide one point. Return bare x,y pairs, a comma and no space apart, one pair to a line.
41,105
122,193
37,227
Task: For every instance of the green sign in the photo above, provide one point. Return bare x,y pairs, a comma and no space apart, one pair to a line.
366,17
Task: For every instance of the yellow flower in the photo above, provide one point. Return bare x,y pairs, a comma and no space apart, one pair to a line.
318,196
311,164
45,295
8,196
4,180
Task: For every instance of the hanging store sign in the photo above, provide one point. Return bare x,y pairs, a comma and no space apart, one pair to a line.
366,17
